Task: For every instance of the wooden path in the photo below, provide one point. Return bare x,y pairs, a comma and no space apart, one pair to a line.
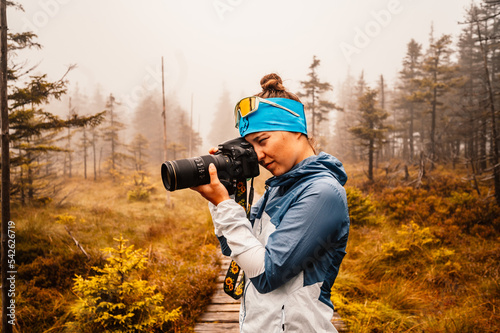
222,315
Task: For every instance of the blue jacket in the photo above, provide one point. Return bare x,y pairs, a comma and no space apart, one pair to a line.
291,248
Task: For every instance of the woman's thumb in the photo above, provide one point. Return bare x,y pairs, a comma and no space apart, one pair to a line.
212,170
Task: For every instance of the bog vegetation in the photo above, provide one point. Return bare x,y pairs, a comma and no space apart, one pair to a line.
101,247
420,258
144,258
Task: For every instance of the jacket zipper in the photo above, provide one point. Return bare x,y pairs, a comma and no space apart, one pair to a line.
283,318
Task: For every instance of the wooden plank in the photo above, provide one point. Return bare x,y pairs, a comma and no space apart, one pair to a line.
338,323
223,299
235,307
217,328
220,292
220,317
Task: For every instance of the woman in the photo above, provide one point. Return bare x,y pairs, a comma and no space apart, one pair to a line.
292,245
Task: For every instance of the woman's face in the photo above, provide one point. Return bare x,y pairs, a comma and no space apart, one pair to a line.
277,151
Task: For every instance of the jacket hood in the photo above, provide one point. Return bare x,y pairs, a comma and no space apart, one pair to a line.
313,165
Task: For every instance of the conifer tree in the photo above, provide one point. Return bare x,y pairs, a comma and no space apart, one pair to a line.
371,130
484,35
183,135
68,156
77,103
439,76
138,148
313,89
148,122
85,145
223,120
95,134
344,142
360,86
408,98
116,299
358,90
34,131
115,161
472,124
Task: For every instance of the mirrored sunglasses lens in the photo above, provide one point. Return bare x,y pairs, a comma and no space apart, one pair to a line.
246,106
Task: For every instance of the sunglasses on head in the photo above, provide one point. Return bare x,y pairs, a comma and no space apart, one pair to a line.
251,104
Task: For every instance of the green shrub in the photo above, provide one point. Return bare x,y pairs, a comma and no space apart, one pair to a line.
138,194
361,208
117,299
65,219
411,239
140,185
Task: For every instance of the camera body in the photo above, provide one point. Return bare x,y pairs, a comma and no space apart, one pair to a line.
235,160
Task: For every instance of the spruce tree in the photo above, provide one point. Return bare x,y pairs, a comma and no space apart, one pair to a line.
34,132
313,89
223,120
438,77
408,98
116,299
371,130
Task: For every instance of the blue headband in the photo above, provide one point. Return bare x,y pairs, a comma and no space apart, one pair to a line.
269,118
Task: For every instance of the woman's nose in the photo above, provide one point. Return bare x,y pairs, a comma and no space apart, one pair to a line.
260,154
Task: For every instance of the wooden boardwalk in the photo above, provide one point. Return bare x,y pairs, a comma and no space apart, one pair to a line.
222,315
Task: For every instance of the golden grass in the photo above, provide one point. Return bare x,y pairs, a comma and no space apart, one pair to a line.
418,260
430,265
181,247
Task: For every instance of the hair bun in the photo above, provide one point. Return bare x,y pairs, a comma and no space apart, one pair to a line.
272,82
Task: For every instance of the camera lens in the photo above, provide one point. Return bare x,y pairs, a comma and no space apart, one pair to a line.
190,172
168,176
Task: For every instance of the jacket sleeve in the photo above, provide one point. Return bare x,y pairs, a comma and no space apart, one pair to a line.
310,236
314,226
234,231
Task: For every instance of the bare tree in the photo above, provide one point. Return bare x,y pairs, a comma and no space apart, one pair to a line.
491,100
6,299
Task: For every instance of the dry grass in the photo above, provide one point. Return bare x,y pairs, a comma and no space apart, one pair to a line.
429,265
182,253
419,259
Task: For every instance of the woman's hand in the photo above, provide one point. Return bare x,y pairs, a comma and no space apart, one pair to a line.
214,192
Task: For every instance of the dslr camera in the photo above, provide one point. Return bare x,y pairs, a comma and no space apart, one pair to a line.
235,160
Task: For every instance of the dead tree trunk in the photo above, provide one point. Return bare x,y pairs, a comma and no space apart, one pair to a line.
4,110
494,141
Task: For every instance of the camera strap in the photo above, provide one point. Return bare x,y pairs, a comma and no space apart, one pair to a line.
232,286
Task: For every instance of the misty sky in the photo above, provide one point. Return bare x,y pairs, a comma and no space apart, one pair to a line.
209,44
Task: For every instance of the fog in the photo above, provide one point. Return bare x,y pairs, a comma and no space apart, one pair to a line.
211,44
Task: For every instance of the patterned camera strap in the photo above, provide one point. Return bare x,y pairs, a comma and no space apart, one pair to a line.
232,286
